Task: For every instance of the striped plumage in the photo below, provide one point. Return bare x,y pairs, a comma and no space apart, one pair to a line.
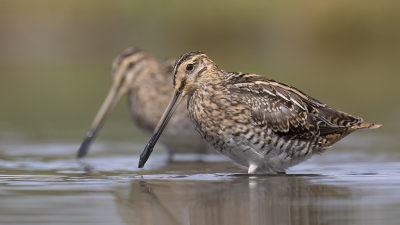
147,83
257,122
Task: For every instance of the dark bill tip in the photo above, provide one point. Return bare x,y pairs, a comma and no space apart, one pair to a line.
145,155
83,149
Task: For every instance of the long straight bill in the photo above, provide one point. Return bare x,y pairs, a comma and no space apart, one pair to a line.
173,104
112,98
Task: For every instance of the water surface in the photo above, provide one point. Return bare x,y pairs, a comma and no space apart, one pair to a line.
42,183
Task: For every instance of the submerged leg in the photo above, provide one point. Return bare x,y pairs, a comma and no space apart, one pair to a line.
254,169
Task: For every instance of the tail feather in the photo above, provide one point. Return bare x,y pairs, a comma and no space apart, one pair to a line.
365,126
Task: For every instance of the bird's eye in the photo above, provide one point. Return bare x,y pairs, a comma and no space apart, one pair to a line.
131,64
189,67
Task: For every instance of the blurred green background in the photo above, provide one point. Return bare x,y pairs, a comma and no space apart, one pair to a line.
55,56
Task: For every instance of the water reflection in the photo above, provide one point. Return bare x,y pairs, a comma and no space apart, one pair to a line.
44,184
239,200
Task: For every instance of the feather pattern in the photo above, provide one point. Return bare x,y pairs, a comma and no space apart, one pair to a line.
287,110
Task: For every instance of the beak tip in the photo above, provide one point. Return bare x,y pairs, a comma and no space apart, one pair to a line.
145,155
141,163
83,149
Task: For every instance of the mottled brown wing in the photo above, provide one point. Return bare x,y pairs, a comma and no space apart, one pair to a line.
275,108
286,109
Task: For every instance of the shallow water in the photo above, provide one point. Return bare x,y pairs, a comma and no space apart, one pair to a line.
42,183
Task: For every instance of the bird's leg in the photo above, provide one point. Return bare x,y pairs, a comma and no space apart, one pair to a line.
252,169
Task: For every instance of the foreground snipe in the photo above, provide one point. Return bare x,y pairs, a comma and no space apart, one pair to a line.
148,85
257,122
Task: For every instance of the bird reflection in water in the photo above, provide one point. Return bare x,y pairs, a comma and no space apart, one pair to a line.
249,199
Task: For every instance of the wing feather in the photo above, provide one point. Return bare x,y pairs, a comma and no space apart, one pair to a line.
274,108
287,110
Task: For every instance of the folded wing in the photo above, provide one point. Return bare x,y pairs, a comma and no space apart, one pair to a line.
287,110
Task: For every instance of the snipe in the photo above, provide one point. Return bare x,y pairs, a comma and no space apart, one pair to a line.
260,123
147,83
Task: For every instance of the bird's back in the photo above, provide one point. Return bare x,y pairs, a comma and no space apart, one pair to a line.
291,112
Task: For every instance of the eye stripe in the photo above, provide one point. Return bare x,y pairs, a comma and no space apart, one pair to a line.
201,71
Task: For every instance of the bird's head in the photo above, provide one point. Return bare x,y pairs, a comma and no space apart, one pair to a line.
128,66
